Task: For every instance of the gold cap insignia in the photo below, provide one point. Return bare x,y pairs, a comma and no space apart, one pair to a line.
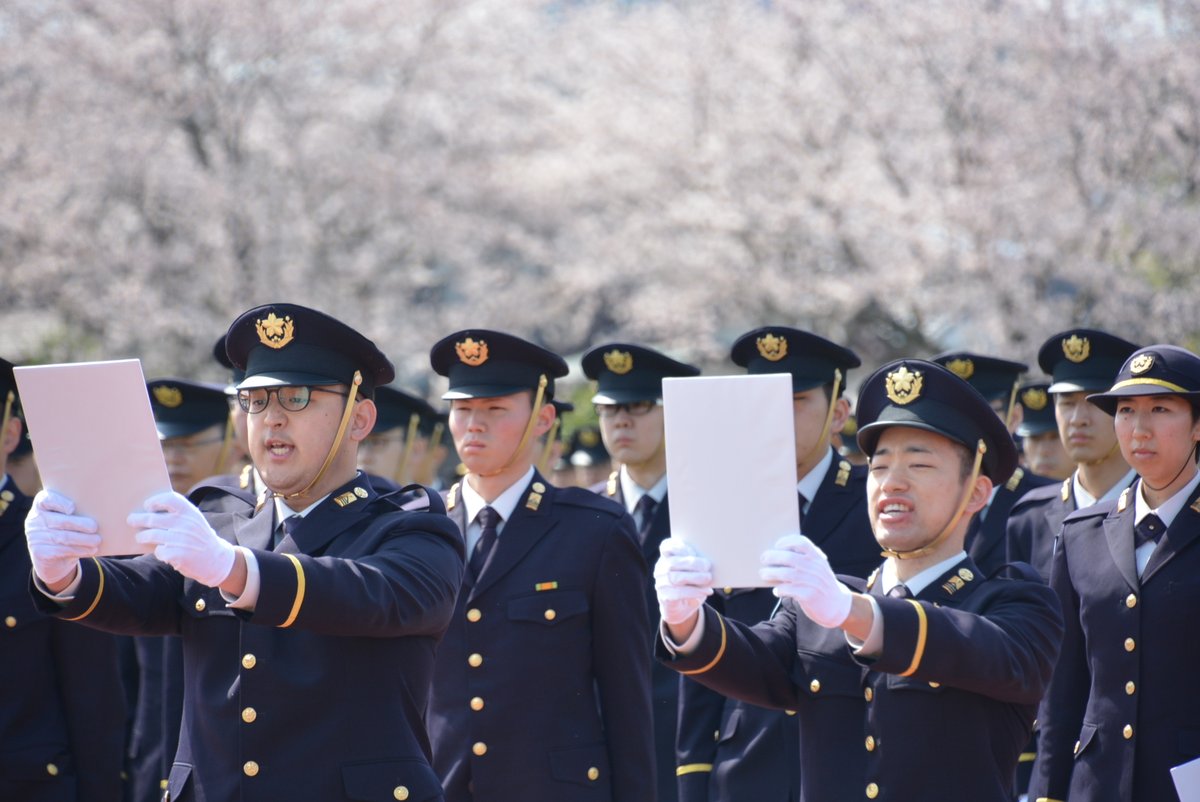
772,348
904,385
472,352
619,362
1141,363
169,397
1035,398
1076,348
275,332
588,438
962,368
966,574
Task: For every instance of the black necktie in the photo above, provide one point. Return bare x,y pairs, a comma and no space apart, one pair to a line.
645,512
488,519
1148,530
900,592
287,528
803,504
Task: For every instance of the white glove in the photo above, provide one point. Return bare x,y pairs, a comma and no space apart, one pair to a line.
57,538
682,580
800,570
183,539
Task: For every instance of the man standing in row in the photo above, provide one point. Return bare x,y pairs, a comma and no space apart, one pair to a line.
542,687
628,403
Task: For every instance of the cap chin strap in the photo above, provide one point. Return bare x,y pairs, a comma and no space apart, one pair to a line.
1012,405
520,449
1116,446
226,445
550,437
337,441
980,450
1191,460
402,466
833,399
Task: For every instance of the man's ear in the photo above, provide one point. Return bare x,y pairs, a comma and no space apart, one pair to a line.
362,420
981,493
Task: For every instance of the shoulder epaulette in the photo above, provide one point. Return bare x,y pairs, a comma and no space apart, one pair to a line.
1015,479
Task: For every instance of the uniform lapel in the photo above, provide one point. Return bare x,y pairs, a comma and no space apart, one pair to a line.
255,532
1118,530
833,502
529,523
344,508
1182,532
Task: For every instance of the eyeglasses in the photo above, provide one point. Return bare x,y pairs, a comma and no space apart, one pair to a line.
634,408
293,399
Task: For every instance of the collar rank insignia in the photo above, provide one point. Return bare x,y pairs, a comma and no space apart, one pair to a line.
452,497
169,397
6,498
611,488
1066,489
962,368
472,352
619,362
871,579
1123,500
1141,363
966,574
538,487
246,477
843,474
772,348
904,385
275,332
347,498
953,585
1076,348
533,501
1195,505
1035,398
1015,479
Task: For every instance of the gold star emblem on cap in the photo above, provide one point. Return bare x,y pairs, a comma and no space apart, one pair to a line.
962,368
169,397
472,352
274,331
1035,398
619,362
1141,363
904,385
1076,348
772,348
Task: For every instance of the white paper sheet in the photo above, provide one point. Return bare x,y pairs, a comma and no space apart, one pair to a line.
1186,777
95,442
731,463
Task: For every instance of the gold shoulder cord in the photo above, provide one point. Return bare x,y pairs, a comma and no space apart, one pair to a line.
537,405
544,459
8,405
337,441
1012,403
833,398
226,444
980,450
402,466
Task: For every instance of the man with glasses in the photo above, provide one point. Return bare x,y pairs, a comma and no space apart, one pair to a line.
309,622
753,753
542,687
628,402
